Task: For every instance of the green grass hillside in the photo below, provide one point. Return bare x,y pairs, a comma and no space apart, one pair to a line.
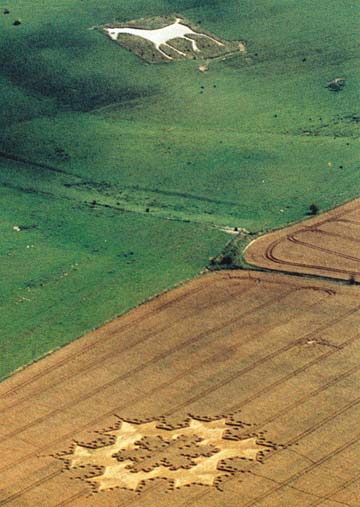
165,151
73,266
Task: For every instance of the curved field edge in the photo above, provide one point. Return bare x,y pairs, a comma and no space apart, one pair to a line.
257,253
235,254
277,127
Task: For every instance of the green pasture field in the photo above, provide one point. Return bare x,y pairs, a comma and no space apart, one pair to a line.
103,154
73,266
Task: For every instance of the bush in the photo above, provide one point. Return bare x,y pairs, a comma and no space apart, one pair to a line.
313,209
227,260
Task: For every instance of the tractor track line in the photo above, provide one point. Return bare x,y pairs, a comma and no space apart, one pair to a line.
111,413
299,437
269,255
305,471
293,239
112,354
343,486
69,501
332,382
335,235
91,346
32,486
348,221
173,381
13,391
110,335
264,359
139,368
297,372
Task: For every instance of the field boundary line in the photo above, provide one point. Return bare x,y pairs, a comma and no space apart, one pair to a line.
90,346
150,334
139,368
110,413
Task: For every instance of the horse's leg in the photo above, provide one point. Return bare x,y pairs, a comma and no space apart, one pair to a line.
212,38
193,43
174,49
163,53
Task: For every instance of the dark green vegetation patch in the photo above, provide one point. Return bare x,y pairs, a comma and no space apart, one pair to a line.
120,174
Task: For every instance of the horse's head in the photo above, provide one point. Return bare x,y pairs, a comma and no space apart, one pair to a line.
112,33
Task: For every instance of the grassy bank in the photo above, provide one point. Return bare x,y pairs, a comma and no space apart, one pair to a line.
117,156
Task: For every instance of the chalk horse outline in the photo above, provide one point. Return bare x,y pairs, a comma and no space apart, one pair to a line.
161,36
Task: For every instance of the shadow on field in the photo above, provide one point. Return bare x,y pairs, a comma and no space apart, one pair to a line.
47,63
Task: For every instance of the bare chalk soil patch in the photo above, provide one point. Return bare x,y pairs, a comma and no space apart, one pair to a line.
166,39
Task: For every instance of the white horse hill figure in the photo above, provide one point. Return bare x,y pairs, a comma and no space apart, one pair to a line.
162,36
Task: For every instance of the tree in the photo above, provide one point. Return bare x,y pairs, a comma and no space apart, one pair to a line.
313,209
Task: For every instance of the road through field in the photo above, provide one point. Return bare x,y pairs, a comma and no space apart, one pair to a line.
236,389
